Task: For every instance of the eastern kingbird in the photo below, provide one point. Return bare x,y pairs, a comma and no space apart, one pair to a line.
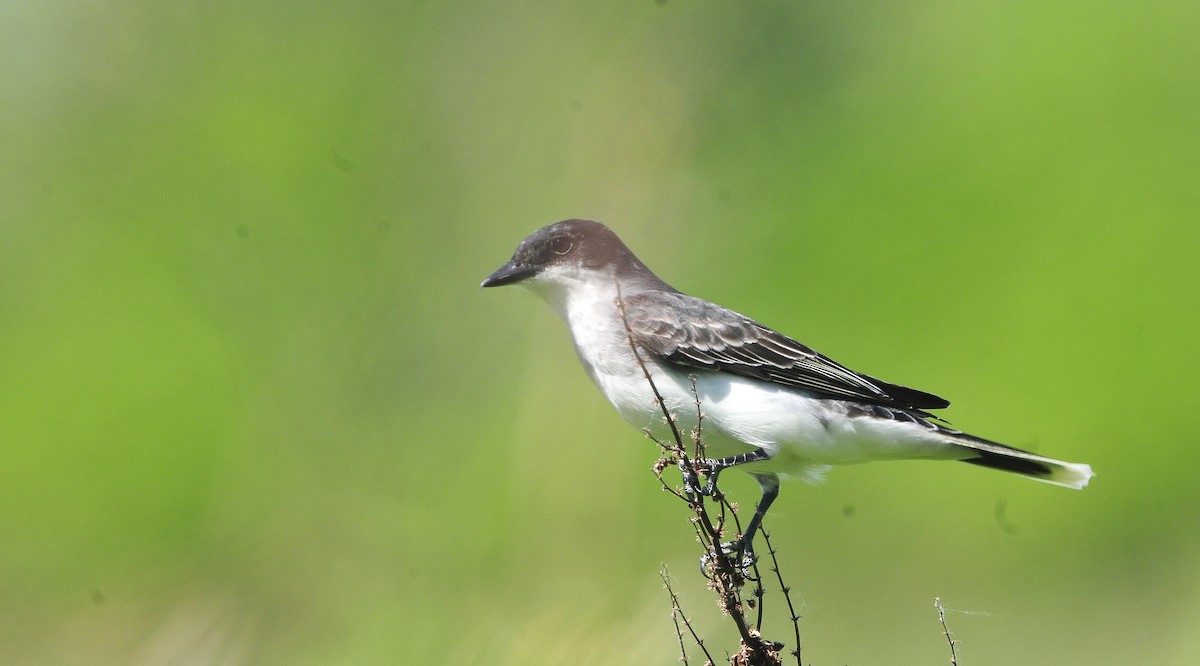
771,406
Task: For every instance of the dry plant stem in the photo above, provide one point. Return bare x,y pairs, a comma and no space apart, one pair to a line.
698,443
697,436
728,578
941,610
787,595
677,614
758,593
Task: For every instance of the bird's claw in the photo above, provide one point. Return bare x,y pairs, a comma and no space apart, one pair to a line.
691,487
738,555
691,481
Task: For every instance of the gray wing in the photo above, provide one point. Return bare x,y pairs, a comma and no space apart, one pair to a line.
692,332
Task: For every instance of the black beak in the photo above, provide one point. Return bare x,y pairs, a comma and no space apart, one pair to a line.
509,273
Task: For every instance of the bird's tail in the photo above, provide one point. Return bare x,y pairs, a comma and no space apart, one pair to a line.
986,453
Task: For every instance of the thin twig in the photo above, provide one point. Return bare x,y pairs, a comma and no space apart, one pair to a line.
697,438
678,615
658,399
727,578
941,610
787,594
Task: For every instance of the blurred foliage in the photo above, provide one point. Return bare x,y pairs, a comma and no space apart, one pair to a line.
254,409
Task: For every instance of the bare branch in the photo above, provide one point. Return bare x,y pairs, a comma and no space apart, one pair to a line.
787,595
725,575
941,611
677,615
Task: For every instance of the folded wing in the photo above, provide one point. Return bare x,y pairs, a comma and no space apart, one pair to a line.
692,332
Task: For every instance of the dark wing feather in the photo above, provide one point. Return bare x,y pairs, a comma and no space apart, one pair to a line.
692,332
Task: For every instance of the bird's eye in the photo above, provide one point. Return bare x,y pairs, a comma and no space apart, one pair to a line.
562,245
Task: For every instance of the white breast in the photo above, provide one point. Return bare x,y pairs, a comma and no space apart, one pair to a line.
804,434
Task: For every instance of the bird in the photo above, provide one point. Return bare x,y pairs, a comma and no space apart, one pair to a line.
769,405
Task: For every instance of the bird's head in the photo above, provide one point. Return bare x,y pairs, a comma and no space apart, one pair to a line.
565,254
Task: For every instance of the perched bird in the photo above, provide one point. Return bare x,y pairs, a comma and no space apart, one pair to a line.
771,406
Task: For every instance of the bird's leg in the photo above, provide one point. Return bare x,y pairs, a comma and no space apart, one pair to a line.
691,486
770,490
715,465
744,546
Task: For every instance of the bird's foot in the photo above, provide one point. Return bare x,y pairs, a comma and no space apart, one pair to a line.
733,553
691,482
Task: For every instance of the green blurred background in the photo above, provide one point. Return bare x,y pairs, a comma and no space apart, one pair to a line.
254,408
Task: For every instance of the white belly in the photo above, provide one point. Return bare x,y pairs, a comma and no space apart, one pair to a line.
804,435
